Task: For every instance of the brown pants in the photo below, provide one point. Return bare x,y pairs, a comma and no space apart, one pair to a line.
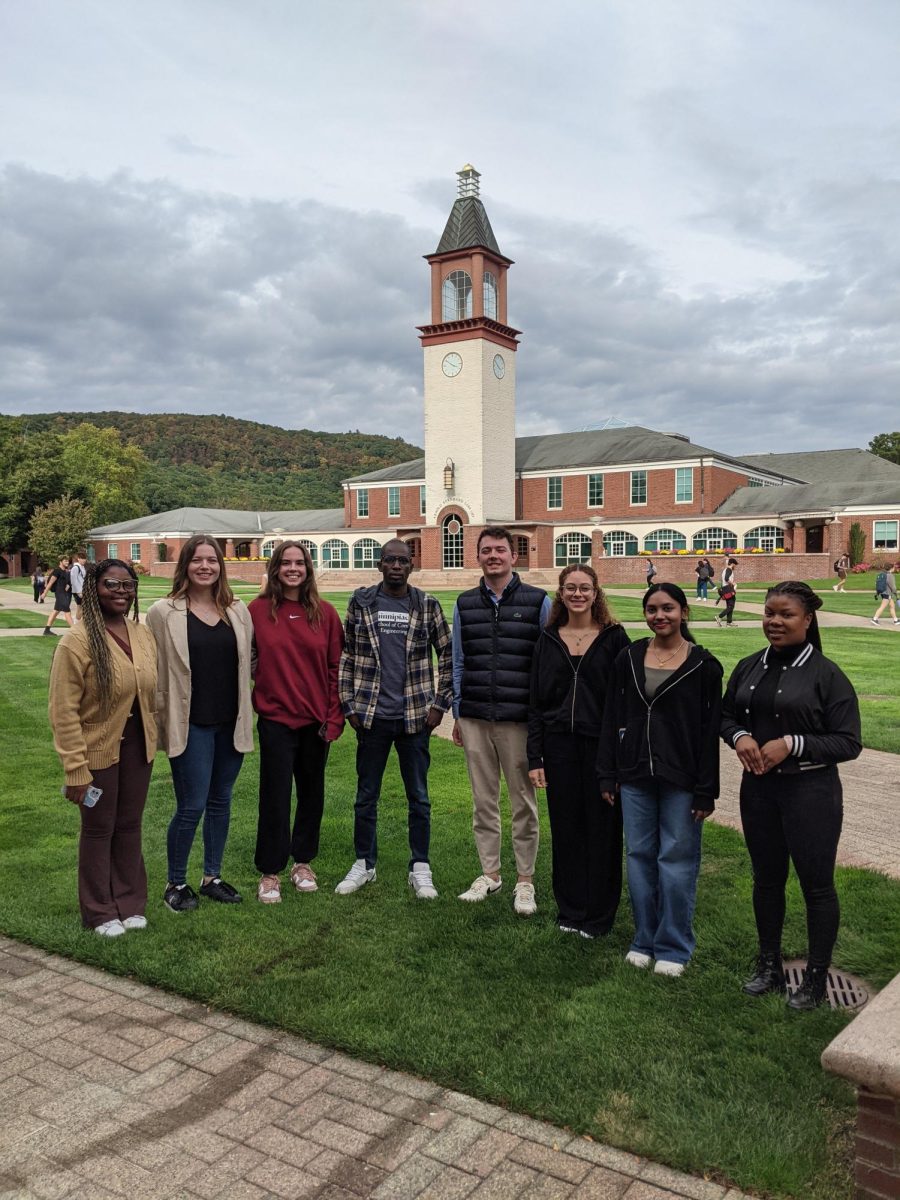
112,881
492,747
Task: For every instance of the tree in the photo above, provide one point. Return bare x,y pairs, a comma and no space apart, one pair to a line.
857,544
886,445
32,476
105,472
59,528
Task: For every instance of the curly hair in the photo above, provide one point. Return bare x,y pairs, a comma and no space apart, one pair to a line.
222,594
600,610
810,601
274,589
674,592
95,627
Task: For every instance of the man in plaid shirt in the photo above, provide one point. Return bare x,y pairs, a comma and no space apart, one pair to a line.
386,686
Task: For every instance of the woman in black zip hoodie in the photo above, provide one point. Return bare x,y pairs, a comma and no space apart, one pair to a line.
659,747
792,716
570,669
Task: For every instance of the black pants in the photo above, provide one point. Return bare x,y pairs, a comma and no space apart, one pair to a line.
586,833
289,756
794,818
729,602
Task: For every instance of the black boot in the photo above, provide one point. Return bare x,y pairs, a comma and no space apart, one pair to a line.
769,976
811,992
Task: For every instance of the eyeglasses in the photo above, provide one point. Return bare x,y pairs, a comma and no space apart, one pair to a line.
119,585
578,589
401,559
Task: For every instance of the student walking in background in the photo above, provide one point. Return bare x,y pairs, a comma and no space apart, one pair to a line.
76,579
59,584
297,640
792,715
841,567
651,572
728,592
203,638
570,671
886,592
660,747
37,583
705,573
102,692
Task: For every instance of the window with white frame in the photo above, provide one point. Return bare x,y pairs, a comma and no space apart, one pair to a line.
618,543
112,550
490,296
366,553
884,535
335,555
572,548
456,296
665,539
91,553
452,542
313,550
362,502
554,491
422,499
764,537
267,549
135,551
393,502
638,487
684,485
715,537
595,491
754,481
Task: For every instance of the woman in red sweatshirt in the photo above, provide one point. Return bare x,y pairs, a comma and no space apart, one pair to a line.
298,640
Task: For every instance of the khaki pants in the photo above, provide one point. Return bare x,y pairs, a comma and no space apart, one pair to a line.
492,747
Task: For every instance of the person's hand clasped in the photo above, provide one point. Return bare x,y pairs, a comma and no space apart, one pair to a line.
538,778
750,755
77,792
774,752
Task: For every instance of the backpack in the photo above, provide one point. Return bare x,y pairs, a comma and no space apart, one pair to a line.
881,584
837,564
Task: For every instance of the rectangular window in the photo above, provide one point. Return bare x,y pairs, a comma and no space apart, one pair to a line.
362,502
754,482
393,502
135,551
422,500
595,491
684,485
91,553
884,535
112,550
638,487
554,491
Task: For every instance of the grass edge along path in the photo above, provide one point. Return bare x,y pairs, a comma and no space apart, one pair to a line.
688,1072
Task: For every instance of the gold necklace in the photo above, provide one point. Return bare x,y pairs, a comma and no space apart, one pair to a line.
661,662
578,640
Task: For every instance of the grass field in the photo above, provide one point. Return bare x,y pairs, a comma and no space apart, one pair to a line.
689,1072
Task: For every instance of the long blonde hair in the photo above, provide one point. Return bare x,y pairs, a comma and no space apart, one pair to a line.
222,594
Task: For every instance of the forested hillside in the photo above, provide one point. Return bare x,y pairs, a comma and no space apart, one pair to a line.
223,462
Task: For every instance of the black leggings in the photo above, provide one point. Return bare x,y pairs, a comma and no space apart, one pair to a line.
794,818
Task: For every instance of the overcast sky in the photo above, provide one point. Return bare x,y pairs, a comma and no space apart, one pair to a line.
221,206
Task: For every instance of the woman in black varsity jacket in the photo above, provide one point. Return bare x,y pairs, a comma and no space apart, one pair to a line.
792,716
659,746
570,671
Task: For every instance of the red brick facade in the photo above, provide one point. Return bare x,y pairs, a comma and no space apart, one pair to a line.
877,1147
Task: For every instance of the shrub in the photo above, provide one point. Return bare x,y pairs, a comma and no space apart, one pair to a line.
856,544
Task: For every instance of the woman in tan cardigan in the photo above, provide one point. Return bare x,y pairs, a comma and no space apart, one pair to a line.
102,702
203,639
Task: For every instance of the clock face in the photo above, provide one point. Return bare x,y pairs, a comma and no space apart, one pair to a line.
452,364
499,366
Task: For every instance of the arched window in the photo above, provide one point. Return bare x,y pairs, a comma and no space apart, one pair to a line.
714,538
268,547
665,539
764,537
572,548
490,296
618,543
452,541
313,551
456,296
335,555
366,553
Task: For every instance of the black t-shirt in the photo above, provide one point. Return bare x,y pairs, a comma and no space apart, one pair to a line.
214,672
59,581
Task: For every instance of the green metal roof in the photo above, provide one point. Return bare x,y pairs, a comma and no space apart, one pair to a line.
834,466
467,226
225,522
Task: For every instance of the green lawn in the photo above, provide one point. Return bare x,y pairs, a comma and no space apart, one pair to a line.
471,996
18,618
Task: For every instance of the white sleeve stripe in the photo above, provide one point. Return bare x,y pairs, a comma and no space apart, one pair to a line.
799,744
740,733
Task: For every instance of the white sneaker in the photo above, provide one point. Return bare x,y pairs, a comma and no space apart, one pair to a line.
355,878
421,882
835,588
636,959
110,929
524,902
874,620
135,923
481,887
669,968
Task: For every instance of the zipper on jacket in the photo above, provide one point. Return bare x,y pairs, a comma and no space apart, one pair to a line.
650,703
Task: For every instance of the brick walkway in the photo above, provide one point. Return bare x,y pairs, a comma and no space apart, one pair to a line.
109,1088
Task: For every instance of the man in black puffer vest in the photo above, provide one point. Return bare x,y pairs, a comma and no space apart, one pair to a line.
495,628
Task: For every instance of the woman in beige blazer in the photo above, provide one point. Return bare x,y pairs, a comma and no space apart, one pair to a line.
203,638
102,706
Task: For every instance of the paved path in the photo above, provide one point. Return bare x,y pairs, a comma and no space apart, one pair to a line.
109,1088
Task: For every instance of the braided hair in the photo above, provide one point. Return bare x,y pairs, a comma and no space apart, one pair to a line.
795,589
95,627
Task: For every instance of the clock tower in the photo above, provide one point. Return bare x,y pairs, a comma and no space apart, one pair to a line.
470,372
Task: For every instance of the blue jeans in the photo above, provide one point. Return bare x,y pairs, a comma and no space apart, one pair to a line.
663,863
702,587
372,749
203,777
